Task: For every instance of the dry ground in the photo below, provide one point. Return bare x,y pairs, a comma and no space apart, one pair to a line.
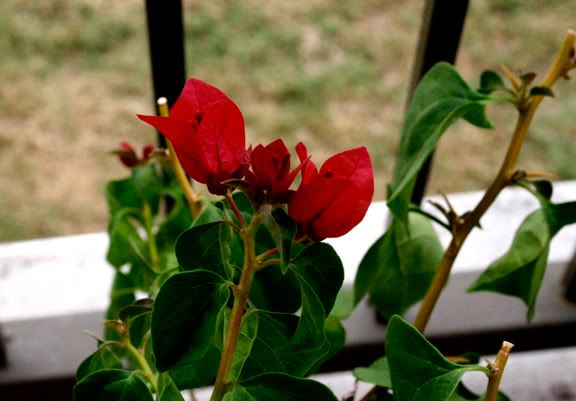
73,73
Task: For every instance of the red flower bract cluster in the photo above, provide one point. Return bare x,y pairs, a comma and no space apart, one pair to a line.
269,177
207,131
128,156
331,202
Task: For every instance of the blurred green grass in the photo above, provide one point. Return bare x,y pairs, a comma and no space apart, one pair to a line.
331,73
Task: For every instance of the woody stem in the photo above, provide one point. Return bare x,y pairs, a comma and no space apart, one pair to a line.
240,300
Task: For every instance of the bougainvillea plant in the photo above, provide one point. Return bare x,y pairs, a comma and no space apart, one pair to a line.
236,292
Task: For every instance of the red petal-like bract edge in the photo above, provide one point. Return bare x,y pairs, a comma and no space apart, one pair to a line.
207,131
309,170
184,137
337,199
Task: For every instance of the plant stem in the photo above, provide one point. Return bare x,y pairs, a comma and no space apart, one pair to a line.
143,363
192,198
497,369
462,229
240,301
235,209
151,239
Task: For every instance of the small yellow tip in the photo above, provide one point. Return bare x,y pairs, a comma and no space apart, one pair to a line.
507,346
162,101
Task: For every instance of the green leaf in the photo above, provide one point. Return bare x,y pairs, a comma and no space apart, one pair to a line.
126,246
144,186
148,185
378,373
418,371
103,358
120,194
344,303
122,294
139,308
274,331
209,213
242,202
541,91
397,270
177,221
544,188
490,81
297,343
441,98
167,389
186,318
277,386
276,292
519,272
336,338
320,267
320,273
197,373
112,385
462,393
246,338
213,246
137,318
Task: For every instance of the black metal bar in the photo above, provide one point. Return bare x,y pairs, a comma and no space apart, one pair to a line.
570,281
440,34
166,43
3,356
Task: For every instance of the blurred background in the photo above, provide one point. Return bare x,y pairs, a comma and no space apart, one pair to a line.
331,73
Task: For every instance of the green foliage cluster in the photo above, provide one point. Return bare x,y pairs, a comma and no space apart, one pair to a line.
193,273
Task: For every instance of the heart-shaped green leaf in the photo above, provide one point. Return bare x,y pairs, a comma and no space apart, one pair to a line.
213,246
418,371
277,386
167,389
441,98
177,221
185,320
112,385
296,343
520,270
490,81
122,294
378,373
126,245
136,318
103,358
148,185
397,270
462,393
121,194
275,291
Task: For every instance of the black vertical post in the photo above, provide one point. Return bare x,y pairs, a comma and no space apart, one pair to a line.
570,281
442,27
166,41
3,356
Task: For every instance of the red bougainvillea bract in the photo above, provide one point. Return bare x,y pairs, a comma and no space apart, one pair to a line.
334,200
207,131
